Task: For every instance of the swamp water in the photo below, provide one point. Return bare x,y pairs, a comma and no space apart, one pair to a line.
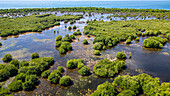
151,61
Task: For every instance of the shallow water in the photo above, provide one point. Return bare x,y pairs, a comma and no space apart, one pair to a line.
151,61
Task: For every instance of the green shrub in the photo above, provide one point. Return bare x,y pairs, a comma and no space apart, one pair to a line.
62,51
154,42
84,71
32,78
85,41
127,93
15,62
69,28
28,85
0,44
137,39
121,55
107,68
58,38
54,78
105,89
3,75
4,91
74,27
98,46
21,77
128,41
23,63
15,86
58,43
80,65
45,74
65,81
34,55
88,35
11,70
72,37
7,58
97,52
67,39
60,68
71,64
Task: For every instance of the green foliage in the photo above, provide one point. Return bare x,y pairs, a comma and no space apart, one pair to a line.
33,23
84,71
58,38
11,70
69,27
65,81
137,39
128,41
0,44
15,62
23,63
72,64
21,77
60,68
154,42
105,89
58,43
32,78
107,68
64,47
28,85
72,37
54,78
80,65
98,46
121,55
74,27
85,41
37,66
97,52
7,58
77,33
111,33
127,93
45,74
15,86
4,91
35,55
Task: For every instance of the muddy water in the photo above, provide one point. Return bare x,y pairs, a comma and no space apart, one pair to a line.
151,61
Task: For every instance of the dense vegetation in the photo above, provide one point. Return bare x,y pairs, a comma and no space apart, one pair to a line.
107,68
85,41
154,42
65,81
158,13
97,52
26,72
121,55
111,33
133,86
7,58
33,23
63,44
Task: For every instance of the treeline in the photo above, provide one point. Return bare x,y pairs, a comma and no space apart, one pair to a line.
81,9
126,85
33,23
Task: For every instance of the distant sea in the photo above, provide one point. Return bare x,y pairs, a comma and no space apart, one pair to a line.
106,4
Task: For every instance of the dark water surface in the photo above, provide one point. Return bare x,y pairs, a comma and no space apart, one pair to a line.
151,61
6,4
